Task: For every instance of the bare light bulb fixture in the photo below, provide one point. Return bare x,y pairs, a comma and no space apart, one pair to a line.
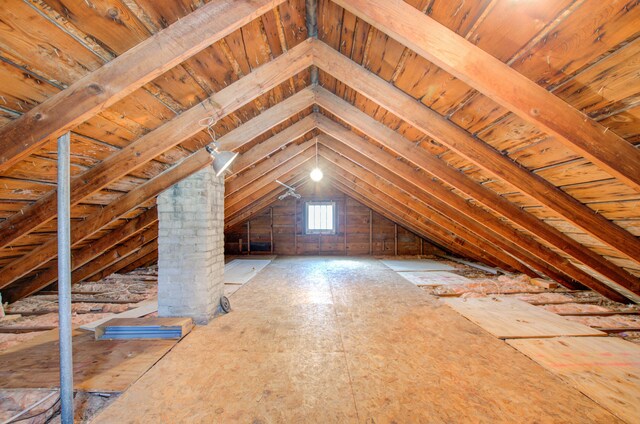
316,174
222,160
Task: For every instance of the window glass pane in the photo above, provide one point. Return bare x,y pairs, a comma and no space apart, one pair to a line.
311,217
320,217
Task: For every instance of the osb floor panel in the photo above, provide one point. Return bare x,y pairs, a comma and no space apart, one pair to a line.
508,318
102,366
345,340
408,265
434,278
606,369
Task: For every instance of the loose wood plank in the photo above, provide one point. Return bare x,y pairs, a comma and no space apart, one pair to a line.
508,318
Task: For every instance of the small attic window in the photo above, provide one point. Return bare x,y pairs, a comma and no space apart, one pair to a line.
320,217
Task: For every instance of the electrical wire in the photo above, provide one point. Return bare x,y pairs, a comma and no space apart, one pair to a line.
16,418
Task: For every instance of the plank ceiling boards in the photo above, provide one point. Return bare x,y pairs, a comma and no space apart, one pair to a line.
509,139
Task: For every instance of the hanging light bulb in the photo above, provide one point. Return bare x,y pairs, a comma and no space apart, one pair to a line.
316,174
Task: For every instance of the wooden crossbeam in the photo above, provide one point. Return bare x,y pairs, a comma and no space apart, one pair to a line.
504,85
161,139
93,223
481,154
387,189
381,191
126,73
446,245
485,196
88,253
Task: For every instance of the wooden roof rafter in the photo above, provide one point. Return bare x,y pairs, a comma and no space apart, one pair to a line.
258,160
124,74
506,86
480,153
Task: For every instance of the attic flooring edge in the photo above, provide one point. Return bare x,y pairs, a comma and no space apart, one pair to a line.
345,340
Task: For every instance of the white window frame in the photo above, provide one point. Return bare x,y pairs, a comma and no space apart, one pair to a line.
334,217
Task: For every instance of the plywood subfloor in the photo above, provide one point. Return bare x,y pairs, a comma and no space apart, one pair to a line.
434,278
607,369
344,341
508,318
102,366
407,265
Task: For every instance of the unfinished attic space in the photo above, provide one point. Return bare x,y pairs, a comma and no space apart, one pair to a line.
319,211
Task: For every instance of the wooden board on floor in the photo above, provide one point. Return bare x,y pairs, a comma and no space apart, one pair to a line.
434,278
508,318
606,369
239,271
407,265
100,366
145,307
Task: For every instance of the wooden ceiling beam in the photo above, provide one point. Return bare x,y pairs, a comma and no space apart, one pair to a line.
126,73
259,187
526,249
232,215
249,175
271,168
433,230
142,262
146,250
165,137
452,205
86,254
272,145
129,247
478,152
504,85
272,196
266,120
93,223
404,176
387,188
431,164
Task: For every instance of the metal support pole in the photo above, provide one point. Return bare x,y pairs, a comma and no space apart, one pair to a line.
64,279
312,31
